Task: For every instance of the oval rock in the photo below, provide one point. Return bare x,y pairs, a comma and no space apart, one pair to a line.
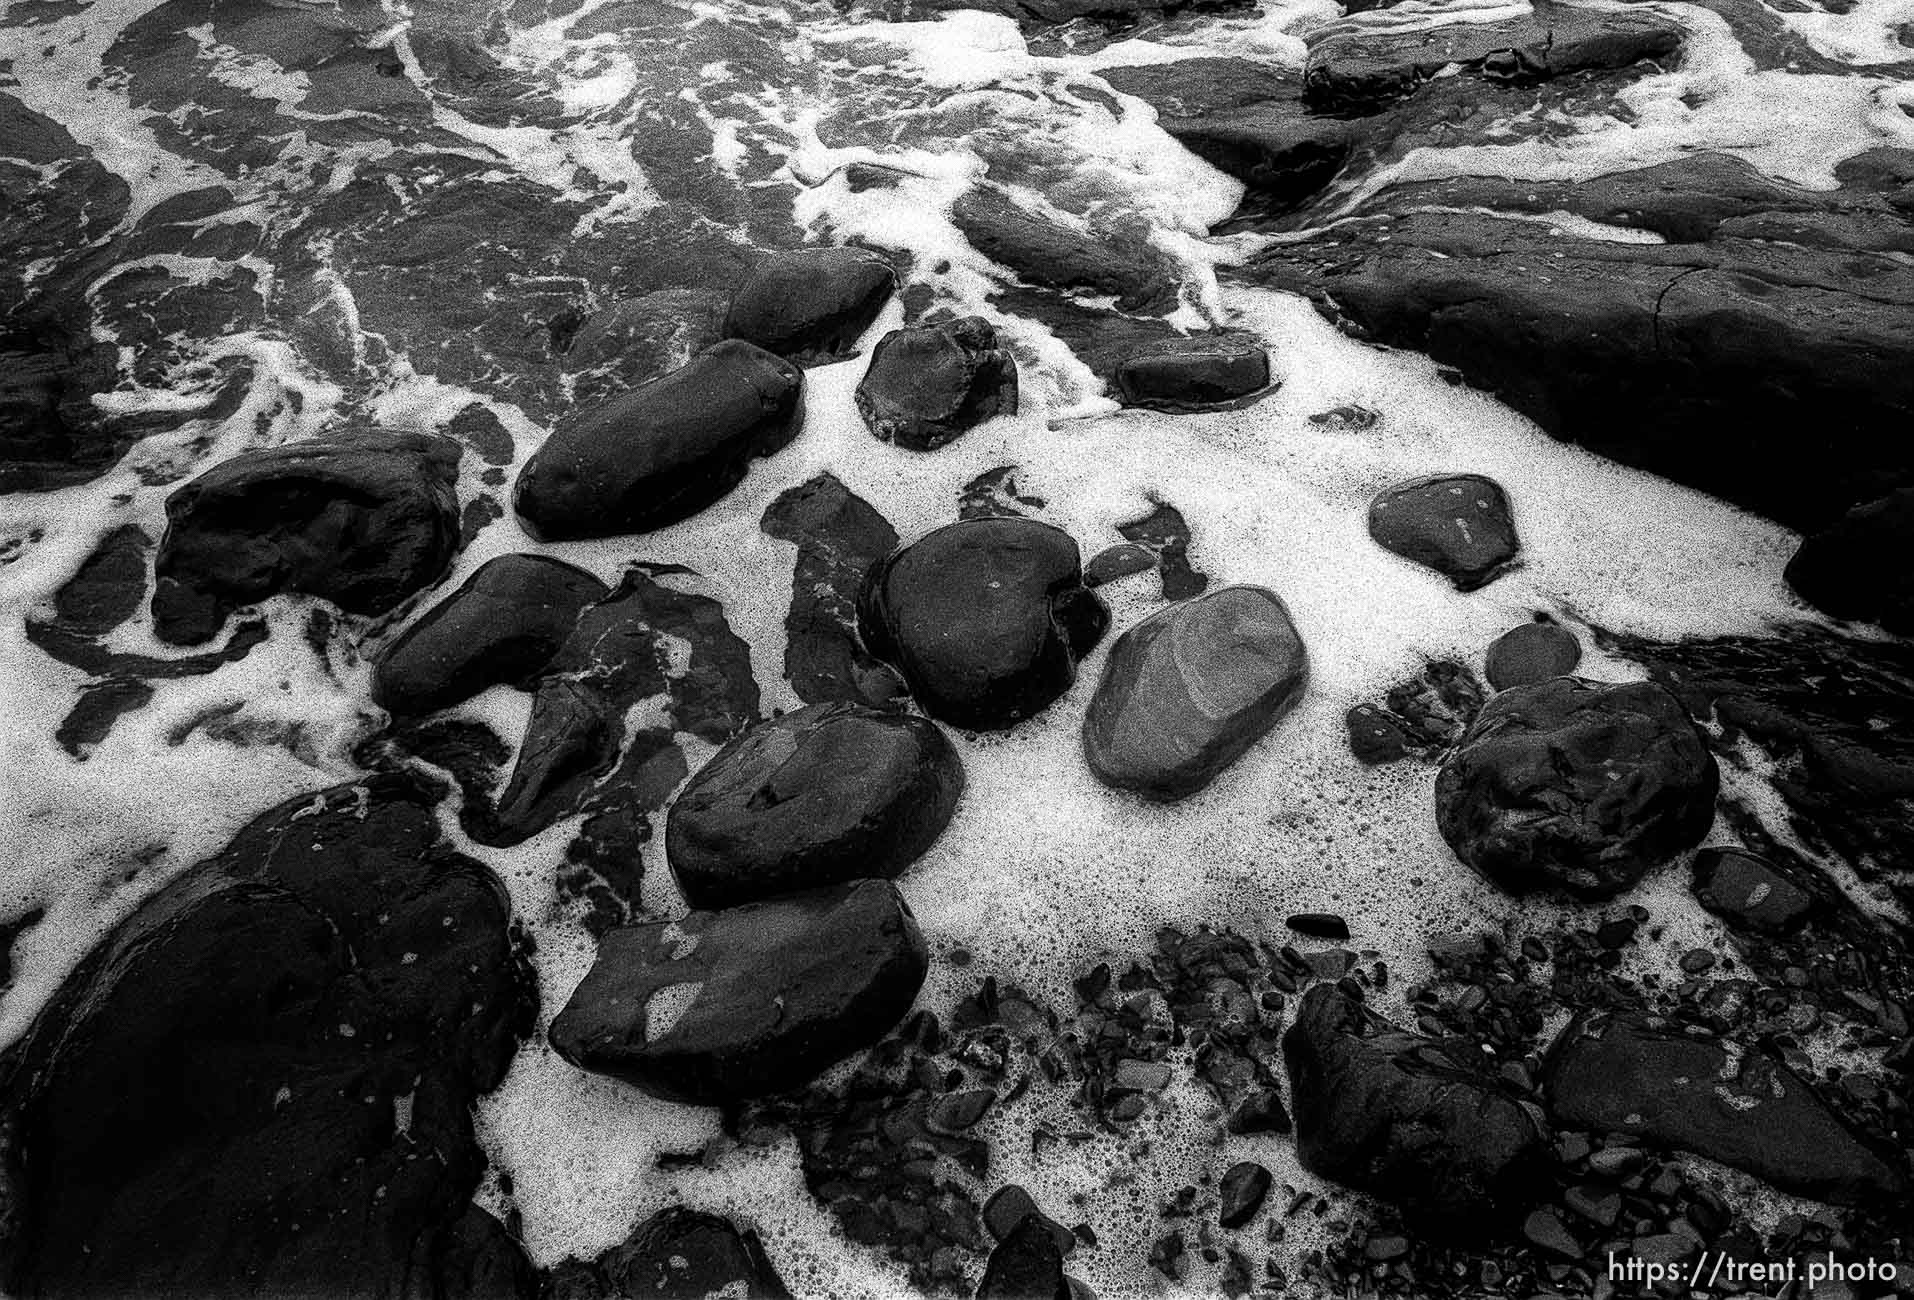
1533,652
810,304
1457,524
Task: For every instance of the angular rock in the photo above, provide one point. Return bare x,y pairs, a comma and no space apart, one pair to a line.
1203,373
1853,568
501,627
1457,524
810,305
749,1001
1114,563
839,537
926,386
1576,785
1166,534
1751,893
1026,1265
830,793
676,1254
1533,652
663,451
1044,252
1755,1114
1241,1193
1186,692
109,587
1378,1112
292,1032
361,519
985,618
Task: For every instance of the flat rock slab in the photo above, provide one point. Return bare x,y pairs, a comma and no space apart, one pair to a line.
1187,691
927,386
747,1002
839,537
1202,373
810,305
1677,1090
1457,524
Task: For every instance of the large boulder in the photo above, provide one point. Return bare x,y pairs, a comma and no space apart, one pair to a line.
839,537
261,1083
985,618
810,305
1457,524
501,627
1666,1086
927,385
676,1254
663,451
723,1006
1576,785
1853,568
830,793
361,519
1188,690
1389,1113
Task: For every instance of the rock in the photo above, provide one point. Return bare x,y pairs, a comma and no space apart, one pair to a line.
810,305
1848,569
1048,13
957,1111
1375,1112
830,793
1750,893
758,999
1206,374
663,451
839,537
1241,1193
1114,563
1544,1229
676,1254
1010,1207
1599,1205
501,627
1186,692
109,586
985,618
1026,1265
1320,925
1122,264
1533,652
1456,524
1678,1090
1166,534
1261,1112
927,386
1576,785
361,519
292,1032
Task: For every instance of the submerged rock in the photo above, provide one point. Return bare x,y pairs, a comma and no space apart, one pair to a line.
1187,691
109,586
1457,524
758,999
1533,652
1203,373
926,386
663,451
1124,265
830,793
361,519
839,537
501,627
985,618
1854,568
1026,1265
810,305
676,1254
1576,785
1750,893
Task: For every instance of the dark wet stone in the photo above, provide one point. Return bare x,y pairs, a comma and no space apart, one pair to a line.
676,1254
1375,737
1576,785
1166,534
985,618
1424,715
501,627
1678,1090
1114,563
1320,925
1749,892
283,1032
1026,1265
1379,1113
1241,1193
927,386
1261,1112
109,586
1533,652
362,519
636,340
1205,373
954,1112
51,434
1457,524
1010,1207
1599,1205
767,995
810,305
1544,1229
1049,13
1186,692
1853,568
664,451
1122,264
830,793
840,537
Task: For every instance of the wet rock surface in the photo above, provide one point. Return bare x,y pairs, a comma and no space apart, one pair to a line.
1846,569
925,387
1533,652
810,305
1457,524
1203,374
1424,715
676,1254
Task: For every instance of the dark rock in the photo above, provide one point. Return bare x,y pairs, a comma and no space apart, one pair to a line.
1320,925
663,451
1544,1228
840,538
1601,1206
1456,524
1166,534
830,793
1026,1265
1205,373
1533,652
676,1254
765,995
1678,1090
1377,1112
1750,893
1374,736
1241,1192
810,305
1114,563
985,618
1423,715
1575,785
1851,569
1010,1207
1122,264
926,386
109,586
292,1032
957,1111
501,627
363,520
1261,1112
1048,13
1186,692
